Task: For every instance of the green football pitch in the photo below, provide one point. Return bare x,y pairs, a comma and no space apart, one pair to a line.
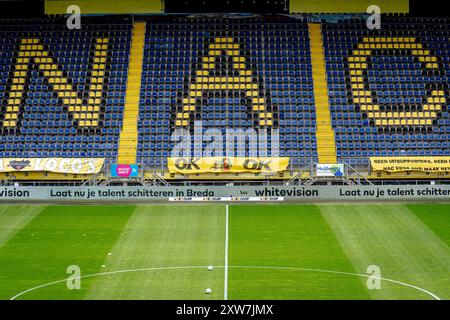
391,251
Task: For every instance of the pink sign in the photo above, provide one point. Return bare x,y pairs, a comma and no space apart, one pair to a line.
124,170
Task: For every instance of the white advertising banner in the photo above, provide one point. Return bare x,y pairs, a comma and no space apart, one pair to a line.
330,170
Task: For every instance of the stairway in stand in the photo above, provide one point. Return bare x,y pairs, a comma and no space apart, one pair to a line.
129,134
326,145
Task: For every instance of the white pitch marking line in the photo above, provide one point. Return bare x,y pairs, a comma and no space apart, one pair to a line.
239,267
343,273
104,274
225,284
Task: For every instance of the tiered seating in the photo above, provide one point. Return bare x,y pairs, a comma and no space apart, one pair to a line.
389,88
62,90
236,73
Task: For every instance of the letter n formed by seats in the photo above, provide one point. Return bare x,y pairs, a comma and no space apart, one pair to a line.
83,107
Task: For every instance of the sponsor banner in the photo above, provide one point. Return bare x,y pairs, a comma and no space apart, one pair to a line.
330,170
227,164
124,170
421,164
199,199
308,194
57,165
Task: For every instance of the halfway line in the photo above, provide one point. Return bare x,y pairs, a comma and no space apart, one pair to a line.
225,285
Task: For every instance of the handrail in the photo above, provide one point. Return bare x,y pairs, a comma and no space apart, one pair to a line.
299,175
358,173
98,174
156,176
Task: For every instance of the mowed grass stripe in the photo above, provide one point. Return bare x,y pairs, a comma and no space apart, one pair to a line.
393,238
166,236
287,236
58,237
436,217
14,218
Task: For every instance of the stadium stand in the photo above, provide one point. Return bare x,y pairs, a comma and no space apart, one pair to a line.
62,90
269,56
389,88
337,91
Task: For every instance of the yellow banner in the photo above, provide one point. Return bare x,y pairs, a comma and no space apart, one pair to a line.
399,164
105,6
57,165
224,164
347,6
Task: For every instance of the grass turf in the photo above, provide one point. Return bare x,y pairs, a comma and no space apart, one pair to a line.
436,217
394,239
37,244
287,236
58,237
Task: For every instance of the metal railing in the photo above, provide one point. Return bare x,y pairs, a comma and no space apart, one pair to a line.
299,174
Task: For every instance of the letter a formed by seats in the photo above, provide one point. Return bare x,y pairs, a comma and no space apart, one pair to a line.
31,50
205,82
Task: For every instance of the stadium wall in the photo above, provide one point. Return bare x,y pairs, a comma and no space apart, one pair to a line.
226,194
